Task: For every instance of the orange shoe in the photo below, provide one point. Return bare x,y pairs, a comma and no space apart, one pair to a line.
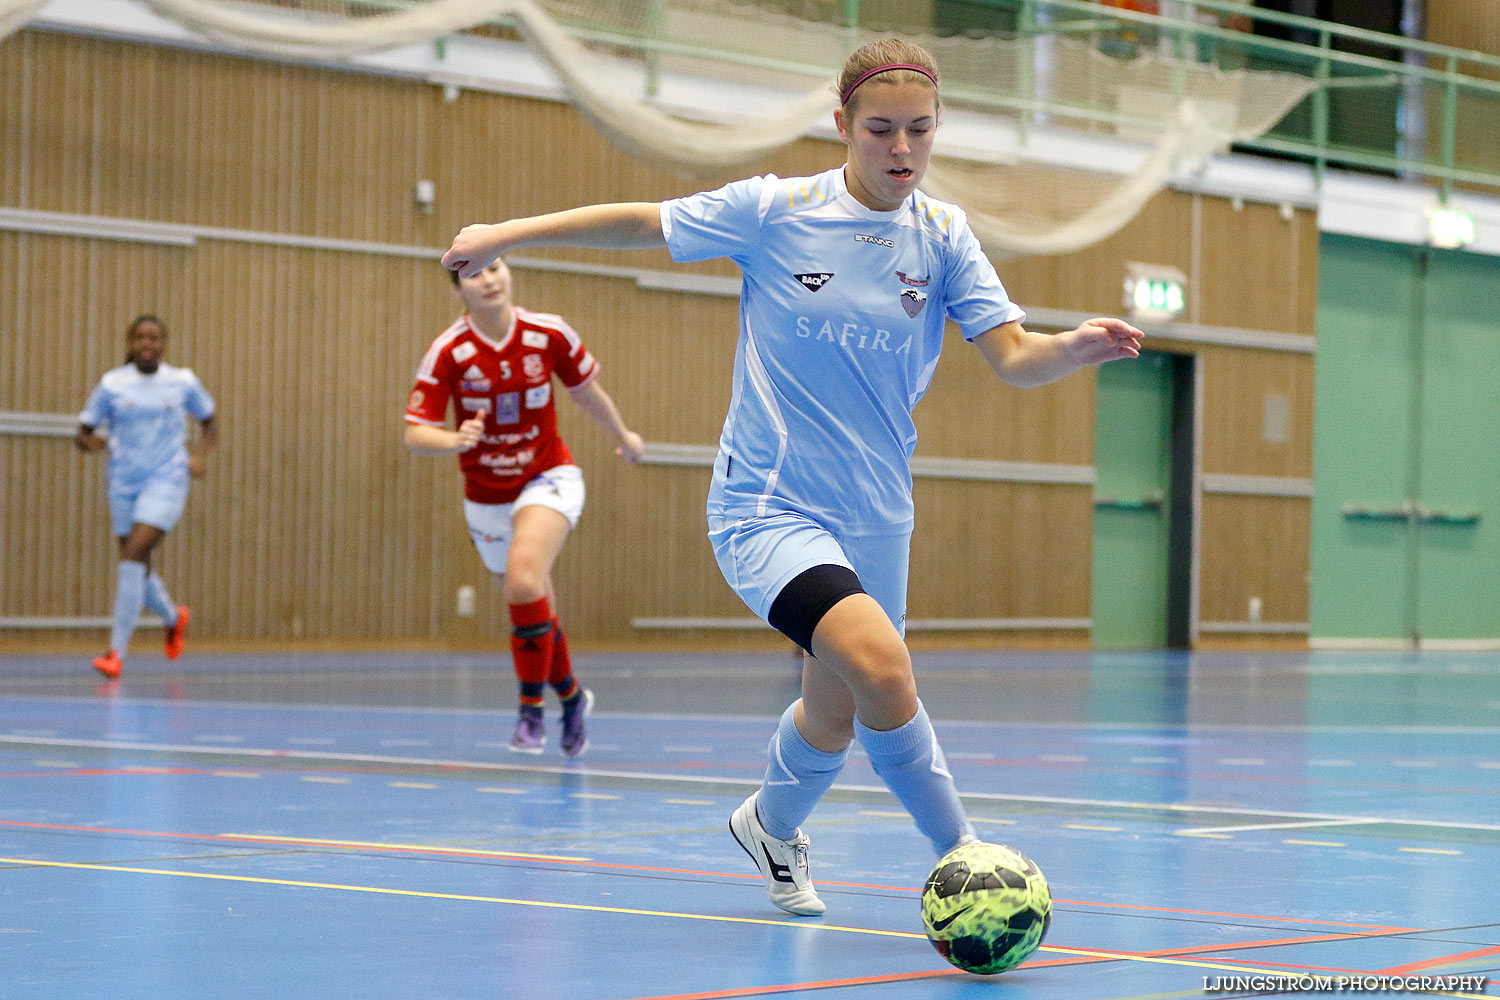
109,664
175,633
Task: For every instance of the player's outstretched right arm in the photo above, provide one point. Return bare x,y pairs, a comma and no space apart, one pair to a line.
624,226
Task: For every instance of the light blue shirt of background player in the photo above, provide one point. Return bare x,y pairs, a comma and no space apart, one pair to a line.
842,317
146,414
146,403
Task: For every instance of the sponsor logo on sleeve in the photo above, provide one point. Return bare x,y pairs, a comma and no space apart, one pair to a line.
534,338
508,408
814,281
463,352
418,397
538,395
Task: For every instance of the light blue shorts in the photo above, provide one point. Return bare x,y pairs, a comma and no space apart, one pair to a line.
157,502
760,555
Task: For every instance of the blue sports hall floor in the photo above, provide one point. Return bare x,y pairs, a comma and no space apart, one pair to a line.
354,826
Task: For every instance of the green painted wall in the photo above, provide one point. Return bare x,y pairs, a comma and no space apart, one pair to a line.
1407,407
1459,582
1132,456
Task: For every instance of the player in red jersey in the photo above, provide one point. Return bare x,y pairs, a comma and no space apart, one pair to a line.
522,492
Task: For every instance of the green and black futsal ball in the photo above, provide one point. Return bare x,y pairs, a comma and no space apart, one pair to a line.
986,907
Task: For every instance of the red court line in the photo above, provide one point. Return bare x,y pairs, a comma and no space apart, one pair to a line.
1100,956
1432,963
827,984
91,772
523,856
1242,916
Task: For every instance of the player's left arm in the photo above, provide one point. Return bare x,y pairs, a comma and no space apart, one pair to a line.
1023,358
593,400
207,440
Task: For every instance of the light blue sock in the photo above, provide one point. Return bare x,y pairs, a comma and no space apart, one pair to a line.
130,595
159,601
797,775
909,760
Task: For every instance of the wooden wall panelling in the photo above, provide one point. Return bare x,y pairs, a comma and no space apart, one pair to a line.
314,522
1259,269
1001,550
1255,546
1239,386
969,413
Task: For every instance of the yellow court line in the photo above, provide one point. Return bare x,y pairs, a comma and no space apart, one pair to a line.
267,839
414,893
1316,843
447,895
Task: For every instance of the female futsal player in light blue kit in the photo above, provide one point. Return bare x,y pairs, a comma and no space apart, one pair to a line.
849,278
146,403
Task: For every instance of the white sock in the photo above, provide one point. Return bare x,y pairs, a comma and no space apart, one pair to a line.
130,595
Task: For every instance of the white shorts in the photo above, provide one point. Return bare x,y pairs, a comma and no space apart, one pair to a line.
760,555
559,488
158,502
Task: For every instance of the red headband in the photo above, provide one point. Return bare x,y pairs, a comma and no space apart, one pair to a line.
849,90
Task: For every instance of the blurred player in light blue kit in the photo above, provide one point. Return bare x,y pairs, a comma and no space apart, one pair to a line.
145,403
850,277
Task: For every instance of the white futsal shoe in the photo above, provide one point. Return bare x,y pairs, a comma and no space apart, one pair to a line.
783,863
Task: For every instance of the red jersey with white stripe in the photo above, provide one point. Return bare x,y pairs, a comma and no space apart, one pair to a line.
512,379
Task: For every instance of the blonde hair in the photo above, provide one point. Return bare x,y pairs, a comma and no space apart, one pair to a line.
909,64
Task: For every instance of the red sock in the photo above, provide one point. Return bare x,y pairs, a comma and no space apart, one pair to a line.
531,642
561,674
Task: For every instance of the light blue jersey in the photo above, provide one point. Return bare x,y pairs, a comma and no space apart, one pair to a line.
147,422
842,316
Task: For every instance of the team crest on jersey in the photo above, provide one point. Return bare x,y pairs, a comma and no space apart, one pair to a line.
534,338
917,282
912,301
474,380
814,281
538,395
508,408
463,352
533,366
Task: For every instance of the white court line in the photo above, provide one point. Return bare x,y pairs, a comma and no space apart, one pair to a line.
507,717
1278,826
700,779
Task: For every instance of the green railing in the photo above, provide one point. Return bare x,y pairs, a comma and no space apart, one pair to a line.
1385,103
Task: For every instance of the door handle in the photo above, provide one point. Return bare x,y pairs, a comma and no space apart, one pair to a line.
1151,502
1409,511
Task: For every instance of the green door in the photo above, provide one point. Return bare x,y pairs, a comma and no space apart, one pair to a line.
1405,537
1132,457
